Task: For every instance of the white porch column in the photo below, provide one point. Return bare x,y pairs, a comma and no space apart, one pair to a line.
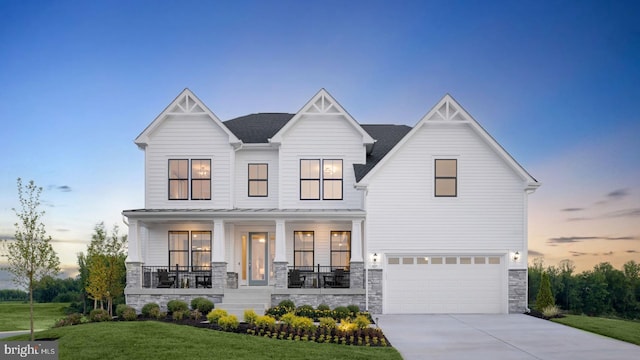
218,242
281,244
356,241
133,242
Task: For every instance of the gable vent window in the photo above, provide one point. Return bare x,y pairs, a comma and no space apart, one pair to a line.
180,174
258,180
446,178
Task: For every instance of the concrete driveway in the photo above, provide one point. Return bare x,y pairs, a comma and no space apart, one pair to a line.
514,336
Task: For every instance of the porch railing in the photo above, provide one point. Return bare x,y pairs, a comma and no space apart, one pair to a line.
176,277
318,277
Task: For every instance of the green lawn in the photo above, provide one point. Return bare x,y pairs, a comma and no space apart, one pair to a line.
158,340
15,315
625,330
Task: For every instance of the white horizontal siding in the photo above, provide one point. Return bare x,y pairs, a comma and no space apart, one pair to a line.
242,160
403,214
320,137
187,137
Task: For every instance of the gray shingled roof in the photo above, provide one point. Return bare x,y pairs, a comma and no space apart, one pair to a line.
259,128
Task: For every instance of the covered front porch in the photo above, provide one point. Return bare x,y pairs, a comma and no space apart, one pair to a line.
208,251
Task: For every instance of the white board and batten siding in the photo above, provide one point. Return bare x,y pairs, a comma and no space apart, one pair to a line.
187,137
320,137
242,160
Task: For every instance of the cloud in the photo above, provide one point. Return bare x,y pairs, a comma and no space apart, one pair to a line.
577,253
606,254
575,239
572,209
535,253
63,230
69,241
618,194
579,219
62,188
635,212
631,251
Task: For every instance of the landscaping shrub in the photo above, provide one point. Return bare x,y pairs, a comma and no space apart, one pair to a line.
250,316
214,315
361,321
353,309
545,296
323,307
71,319
265,321
196,314
302,323
146,309
120,309
203,305
287,304
288,318
341,312
306,311
178,315
346,326
277,311
129,314
228,322
551,311
177,305
155,313
327,323
97,315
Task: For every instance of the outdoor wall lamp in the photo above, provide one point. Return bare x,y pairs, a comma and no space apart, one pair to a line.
516,256
375,259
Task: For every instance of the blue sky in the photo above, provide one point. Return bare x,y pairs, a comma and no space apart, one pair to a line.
557,83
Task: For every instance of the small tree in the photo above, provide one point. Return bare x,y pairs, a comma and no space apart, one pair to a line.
545,296
30,256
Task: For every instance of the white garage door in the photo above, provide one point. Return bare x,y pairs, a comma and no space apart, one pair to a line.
444,284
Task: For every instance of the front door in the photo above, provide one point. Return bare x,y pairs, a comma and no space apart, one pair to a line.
258,258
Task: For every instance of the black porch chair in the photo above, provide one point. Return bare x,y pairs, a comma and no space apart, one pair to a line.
295,279
165,280
335,280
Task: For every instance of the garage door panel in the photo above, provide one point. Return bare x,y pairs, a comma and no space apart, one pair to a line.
461,284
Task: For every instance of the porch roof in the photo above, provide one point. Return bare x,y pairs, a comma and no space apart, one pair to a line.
245,214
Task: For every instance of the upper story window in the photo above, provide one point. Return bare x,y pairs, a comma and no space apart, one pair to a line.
330,177
446,178
340,249
310,179
303,248
258,180
179,176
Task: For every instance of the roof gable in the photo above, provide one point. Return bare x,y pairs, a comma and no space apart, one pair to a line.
185,104
448,110
322,103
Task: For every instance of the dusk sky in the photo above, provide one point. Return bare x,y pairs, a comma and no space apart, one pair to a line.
556,83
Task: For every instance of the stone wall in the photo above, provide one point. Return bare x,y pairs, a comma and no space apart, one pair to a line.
517,291
375,291
356,275
232,280
218,275
134,270
280,274
137,301
333,300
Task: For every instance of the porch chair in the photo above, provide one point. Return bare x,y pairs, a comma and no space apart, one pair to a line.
335,280
165,280
295,279
204,280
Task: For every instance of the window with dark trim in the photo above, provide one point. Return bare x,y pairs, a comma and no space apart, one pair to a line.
201,179
201,250
340,249
303,248
179,249
446,178
332,179
179,179
310,179
258,180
